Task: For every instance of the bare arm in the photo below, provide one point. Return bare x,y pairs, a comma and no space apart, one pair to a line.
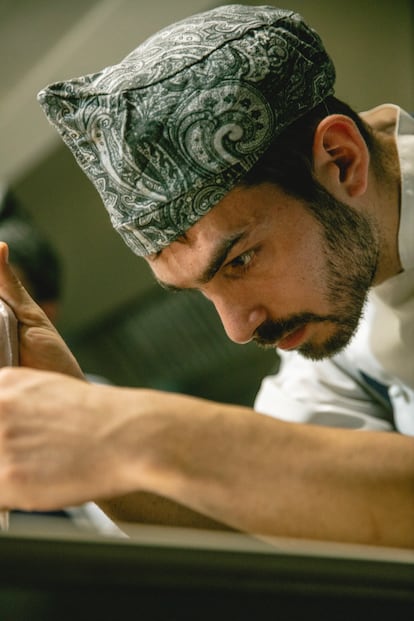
230,464
261,475
284,479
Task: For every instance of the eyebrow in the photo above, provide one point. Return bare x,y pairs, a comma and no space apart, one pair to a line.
219,256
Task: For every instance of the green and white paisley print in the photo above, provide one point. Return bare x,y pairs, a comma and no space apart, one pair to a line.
168,131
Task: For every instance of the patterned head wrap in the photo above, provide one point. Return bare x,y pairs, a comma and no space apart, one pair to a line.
168,131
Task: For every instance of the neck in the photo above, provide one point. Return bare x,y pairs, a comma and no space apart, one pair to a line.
386,181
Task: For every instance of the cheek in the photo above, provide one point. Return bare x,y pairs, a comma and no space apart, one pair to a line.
296,276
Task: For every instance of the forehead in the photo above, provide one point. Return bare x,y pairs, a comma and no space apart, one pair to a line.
241,211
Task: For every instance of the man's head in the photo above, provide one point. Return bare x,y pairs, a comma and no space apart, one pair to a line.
223,158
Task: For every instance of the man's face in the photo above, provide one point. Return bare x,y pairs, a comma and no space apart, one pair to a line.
278,271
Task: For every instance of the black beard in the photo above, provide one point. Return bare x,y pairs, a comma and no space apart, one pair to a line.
351,252
270,332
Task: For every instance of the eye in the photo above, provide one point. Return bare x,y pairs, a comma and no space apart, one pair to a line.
241,263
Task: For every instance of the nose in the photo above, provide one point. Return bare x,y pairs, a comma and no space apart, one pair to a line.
240,322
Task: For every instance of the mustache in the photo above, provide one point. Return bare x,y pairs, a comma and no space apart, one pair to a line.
270,331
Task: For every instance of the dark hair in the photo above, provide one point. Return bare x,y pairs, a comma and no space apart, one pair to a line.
30,251
288,160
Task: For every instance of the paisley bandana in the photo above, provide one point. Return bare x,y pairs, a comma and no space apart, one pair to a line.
167,132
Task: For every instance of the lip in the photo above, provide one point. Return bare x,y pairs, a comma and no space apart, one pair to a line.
292,340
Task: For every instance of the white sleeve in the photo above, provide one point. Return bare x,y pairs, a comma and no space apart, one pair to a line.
321,393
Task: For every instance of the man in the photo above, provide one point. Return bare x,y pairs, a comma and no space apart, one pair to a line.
224,159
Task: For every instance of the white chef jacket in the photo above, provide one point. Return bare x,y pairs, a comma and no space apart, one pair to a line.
370,384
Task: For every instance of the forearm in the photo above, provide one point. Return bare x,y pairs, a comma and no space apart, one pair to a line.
64,442
261,475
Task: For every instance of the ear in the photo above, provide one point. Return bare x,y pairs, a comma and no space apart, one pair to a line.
340,157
